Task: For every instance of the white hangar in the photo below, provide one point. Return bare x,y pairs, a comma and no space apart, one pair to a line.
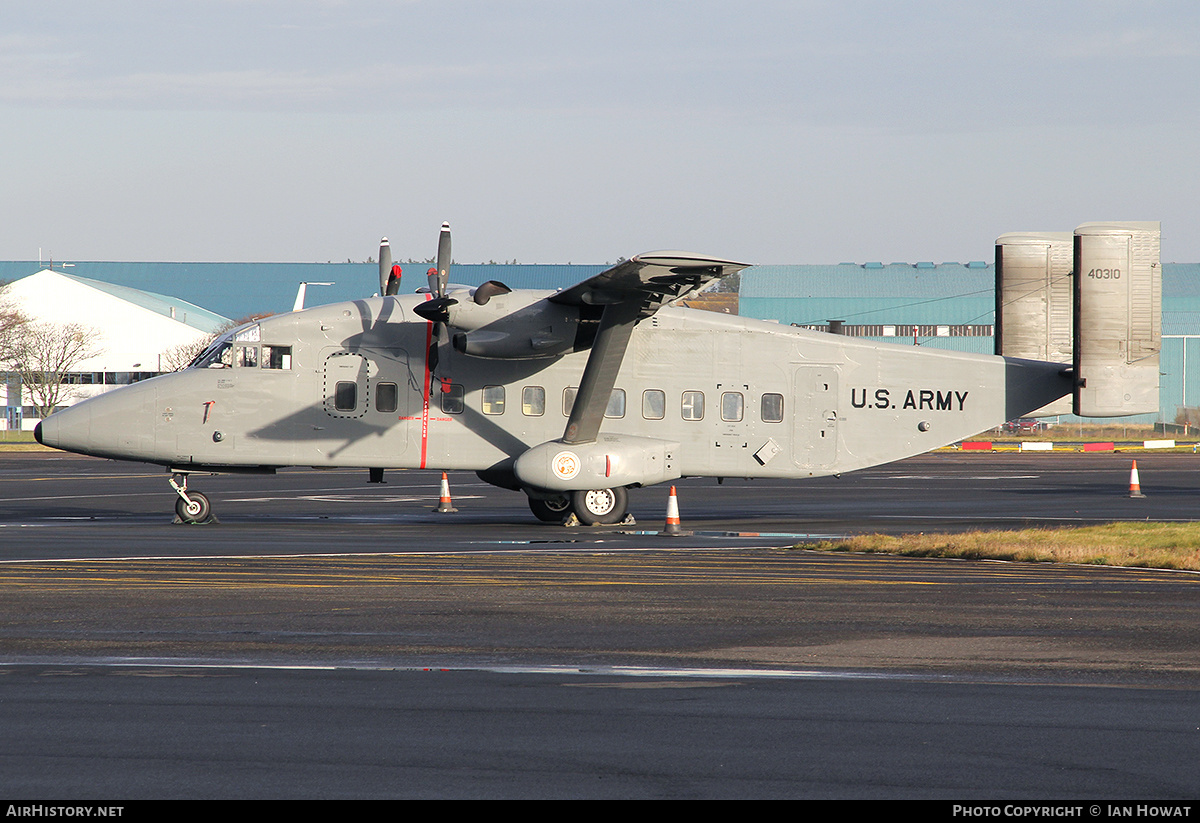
132,334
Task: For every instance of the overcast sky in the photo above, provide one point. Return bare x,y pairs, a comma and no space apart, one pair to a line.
580,131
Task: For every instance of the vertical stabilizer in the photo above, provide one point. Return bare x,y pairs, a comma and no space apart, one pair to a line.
1118,318
1035,301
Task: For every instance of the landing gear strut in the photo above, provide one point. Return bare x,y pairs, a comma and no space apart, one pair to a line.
191,507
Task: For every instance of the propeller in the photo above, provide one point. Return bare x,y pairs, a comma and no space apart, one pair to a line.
437,310
389,275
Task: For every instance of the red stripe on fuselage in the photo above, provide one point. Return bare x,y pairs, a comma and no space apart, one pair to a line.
426,388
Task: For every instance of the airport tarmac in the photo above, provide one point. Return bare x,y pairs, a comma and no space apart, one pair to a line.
95,505
330,638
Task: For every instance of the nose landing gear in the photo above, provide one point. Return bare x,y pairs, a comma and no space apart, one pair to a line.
191,508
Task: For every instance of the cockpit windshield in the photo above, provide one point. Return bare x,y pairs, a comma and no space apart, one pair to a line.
218,355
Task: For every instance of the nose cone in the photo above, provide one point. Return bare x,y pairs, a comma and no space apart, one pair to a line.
119,424
66,429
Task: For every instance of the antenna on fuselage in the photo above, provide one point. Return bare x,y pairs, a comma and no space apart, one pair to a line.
300,292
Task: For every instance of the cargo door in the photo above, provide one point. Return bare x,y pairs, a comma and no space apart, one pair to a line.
814,422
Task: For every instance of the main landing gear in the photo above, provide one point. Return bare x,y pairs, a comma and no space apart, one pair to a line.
192,507
590,507
553,510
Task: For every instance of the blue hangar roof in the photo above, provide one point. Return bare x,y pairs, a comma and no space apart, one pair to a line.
236,290
918,293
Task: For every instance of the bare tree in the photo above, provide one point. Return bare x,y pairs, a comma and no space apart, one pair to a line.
181,355
12,324
46,353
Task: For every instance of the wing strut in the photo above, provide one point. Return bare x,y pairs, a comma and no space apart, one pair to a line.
629,291
600,373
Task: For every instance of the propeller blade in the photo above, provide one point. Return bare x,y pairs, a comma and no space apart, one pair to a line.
385,264
434,345
393,283
443,259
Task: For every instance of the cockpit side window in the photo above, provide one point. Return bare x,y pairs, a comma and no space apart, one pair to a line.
277,357
248,357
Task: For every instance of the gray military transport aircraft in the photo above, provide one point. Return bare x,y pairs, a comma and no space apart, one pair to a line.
576,395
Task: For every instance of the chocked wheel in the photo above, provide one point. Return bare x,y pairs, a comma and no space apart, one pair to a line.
553,510
197,511
600,506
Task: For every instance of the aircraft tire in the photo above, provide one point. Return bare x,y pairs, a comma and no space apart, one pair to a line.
198,512
550,511
600,507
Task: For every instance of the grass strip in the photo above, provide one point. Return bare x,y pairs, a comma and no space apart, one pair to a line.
1137,545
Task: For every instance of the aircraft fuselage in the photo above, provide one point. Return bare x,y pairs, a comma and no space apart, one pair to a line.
351,385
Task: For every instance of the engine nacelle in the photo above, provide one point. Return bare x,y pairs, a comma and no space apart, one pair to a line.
505,329
612,461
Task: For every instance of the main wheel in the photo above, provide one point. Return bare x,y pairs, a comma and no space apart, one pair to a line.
600,506
550,511
197,511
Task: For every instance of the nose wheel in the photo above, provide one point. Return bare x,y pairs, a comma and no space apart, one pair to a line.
193,507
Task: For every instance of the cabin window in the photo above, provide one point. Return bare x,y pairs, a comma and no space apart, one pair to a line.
615,408
654,404
616,404
248,357
452,398
732,406
493,400
277,357
345,395
772,408
533,401
692,407
387,396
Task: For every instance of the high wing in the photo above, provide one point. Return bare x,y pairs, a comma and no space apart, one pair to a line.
630,291
651,279
499,323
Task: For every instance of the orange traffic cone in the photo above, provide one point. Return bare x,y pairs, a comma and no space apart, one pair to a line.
444,504
672,528
1135,486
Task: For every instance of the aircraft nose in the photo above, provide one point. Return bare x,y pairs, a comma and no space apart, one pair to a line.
66,429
